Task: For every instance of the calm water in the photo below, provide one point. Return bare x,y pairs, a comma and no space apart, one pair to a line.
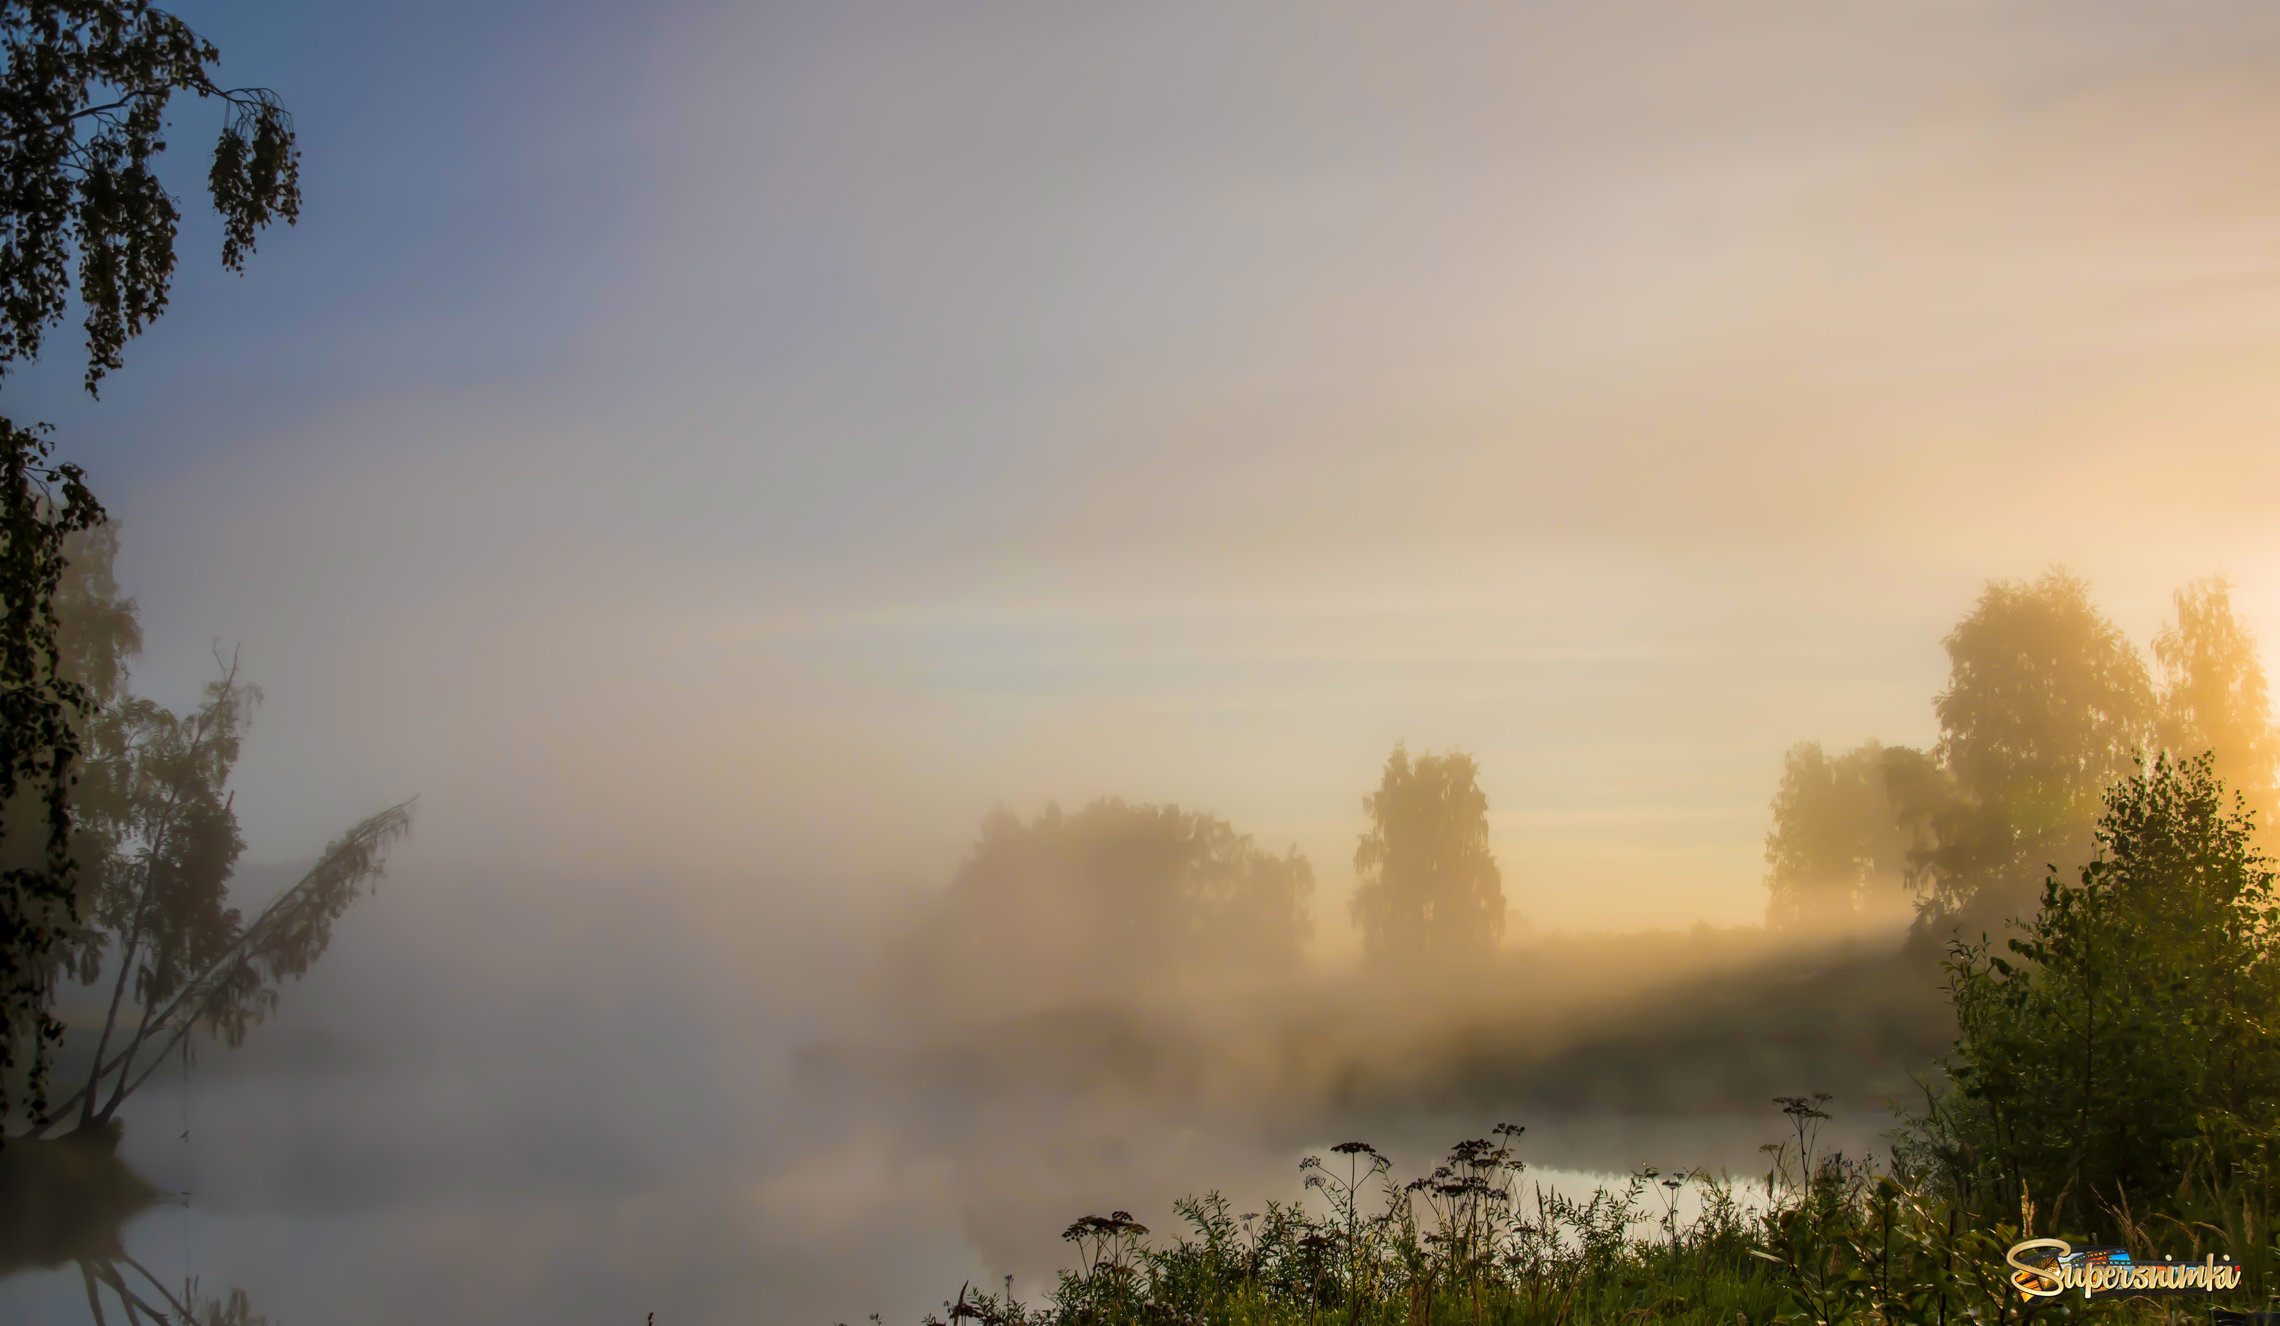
505,1100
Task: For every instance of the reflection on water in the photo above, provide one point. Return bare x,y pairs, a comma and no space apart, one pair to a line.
610,1116
63,1201
65,1207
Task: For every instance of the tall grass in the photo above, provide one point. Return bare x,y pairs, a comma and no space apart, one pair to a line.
1819,1238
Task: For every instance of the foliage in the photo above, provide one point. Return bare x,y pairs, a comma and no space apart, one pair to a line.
158,841
234,1309
1839,844
2116,1077
1430,891
83,214
1828,1241
155,843
2122,1058
1114,898
2213,696
40,707
2047,703
234,985
2116,1080
83,111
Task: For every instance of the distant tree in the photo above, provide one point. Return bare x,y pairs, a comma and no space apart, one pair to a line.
1116,900
1839,844
1430,890
2047,704
2213,696
84,217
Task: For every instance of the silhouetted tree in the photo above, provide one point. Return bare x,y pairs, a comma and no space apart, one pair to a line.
2213,696
1118,899
41,712
83,106
97,636
85,217
1839,843
2047,704
2122,1055
1430,891
155,843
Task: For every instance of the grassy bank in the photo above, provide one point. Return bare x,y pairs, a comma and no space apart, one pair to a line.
1817,1238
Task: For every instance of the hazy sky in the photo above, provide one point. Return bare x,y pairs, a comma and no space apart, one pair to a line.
746,441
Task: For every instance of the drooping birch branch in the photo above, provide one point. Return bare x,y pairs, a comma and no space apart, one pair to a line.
239,986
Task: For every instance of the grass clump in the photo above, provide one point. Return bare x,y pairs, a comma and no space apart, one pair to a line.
1822,1239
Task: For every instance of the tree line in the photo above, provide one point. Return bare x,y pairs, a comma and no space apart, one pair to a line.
1117,898
2114,1082
2048,704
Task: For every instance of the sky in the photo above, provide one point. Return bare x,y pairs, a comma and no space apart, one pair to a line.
739,445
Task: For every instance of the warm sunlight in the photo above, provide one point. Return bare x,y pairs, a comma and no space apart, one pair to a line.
718,662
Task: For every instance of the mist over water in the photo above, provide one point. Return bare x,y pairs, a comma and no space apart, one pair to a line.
738,463
586,1099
